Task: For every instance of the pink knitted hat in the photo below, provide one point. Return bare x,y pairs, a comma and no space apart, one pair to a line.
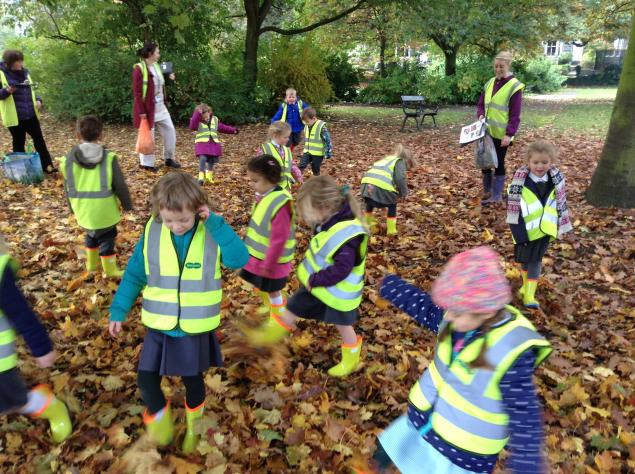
472,282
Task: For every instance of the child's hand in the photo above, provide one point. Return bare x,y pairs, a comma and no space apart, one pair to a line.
114,328
46,360
203,212
236,131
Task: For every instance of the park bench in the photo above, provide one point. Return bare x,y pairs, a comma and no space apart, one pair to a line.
414,106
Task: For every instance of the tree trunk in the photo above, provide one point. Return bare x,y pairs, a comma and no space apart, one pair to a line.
450,61
613,183
382,54
252,37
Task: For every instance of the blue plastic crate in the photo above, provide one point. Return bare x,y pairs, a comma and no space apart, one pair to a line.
23,168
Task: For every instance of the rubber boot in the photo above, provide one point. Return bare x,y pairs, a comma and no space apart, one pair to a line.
271,332
498,184
92,259
160,431
371,222
201,178
521,290
350,359
487,187
192,415
109,264
265,308
529,297
391,226
56,413
209,176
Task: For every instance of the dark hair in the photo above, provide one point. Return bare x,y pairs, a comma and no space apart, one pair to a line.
309,113
147,49
266,166
12,56
89,128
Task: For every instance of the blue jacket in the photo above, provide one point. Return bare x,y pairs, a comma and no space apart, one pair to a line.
232,251
293,115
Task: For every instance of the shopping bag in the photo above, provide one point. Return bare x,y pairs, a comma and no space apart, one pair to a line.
485,153
145,139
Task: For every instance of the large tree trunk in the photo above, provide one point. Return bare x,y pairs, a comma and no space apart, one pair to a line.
613,183
252,37
382,54
450,61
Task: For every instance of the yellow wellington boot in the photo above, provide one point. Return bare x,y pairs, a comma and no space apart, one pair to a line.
109,264
160,431
371,222
209,176
271,332
350,359
264,308
56,413
391,226
92,259
521,290
192,415
529,300
201,178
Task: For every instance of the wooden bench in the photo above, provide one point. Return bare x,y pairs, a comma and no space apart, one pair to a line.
414,106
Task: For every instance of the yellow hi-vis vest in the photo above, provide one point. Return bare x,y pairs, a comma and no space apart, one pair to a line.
286,178
313,143
284,110
347,294
466,403
207,133
259,230
144,72
90,194
497,106
8,111
382,174
539,220
8,355
187,296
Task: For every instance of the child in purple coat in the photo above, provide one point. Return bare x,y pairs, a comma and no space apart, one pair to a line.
207,145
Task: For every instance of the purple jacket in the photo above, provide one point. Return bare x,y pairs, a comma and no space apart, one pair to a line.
344,259
515,103
22,95
209,148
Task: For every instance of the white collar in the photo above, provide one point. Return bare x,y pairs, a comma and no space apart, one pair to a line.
539,179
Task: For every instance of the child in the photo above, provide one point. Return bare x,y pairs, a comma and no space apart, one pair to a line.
207,144
279,133
16,316
477,395
93,182
536,213
317,145
332,272
176,267
385,183
290,111
270,236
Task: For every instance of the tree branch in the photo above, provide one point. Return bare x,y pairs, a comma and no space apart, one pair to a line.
326,21
64,37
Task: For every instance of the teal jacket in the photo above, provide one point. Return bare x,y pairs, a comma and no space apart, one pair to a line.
233,254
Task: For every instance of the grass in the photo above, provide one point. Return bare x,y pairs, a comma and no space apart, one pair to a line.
591,93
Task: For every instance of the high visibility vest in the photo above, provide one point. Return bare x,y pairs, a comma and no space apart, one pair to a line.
187,295
284,110
90,194
286,178
466,403
539,220
497,106
8,111
259,230
313,143
382,174
206,133
347,294
8,355
144,72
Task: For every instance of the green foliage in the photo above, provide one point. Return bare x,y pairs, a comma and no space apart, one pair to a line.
401,79
540,75
565,58
344,78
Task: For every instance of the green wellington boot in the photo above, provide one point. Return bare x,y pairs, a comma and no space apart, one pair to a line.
201,178
529,300
92,259
371,222
56,413
160,431
521,290
209,176
391,226
350,359
192,415
109,264
271,332
264,308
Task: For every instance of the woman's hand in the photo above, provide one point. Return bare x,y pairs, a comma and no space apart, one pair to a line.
38,104
114,328
10,89
203,212
46,360
172,77
506,141
142,115
481,118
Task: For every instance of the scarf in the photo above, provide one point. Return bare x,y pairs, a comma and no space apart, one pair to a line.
514,196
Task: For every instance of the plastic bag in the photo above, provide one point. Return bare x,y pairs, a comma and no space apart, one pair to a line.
145,139
485,153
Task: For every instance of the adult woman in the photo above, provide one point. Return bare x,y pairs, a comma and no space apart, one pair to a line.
500,105
19,107
148,89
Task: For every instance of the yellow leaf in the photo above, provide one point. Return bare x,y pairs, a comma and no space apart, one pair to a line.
60,381
487,236
215,383
14,442
573,395
181,466
112,383
603,413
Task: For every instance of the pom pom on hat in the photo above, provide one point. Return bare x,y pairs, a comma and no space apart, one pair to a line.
472,282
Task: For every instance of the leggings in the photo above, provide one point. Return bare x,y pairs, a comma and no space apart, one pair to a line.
150,386
208,160
500,153
532,269
372,204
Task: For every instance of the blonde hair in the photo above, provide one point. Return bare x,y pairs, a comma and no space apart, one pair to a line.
323,193
289,90
278,128
406,155
309,113
541,146
205,109
505,56
177,192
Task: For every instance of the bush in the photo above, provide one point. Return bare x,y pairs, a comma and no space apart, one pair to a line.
400,80
565,58
541,74
344,78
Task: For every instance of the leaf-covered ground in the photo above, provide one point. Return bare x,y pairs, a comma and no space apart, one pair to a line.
278,411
